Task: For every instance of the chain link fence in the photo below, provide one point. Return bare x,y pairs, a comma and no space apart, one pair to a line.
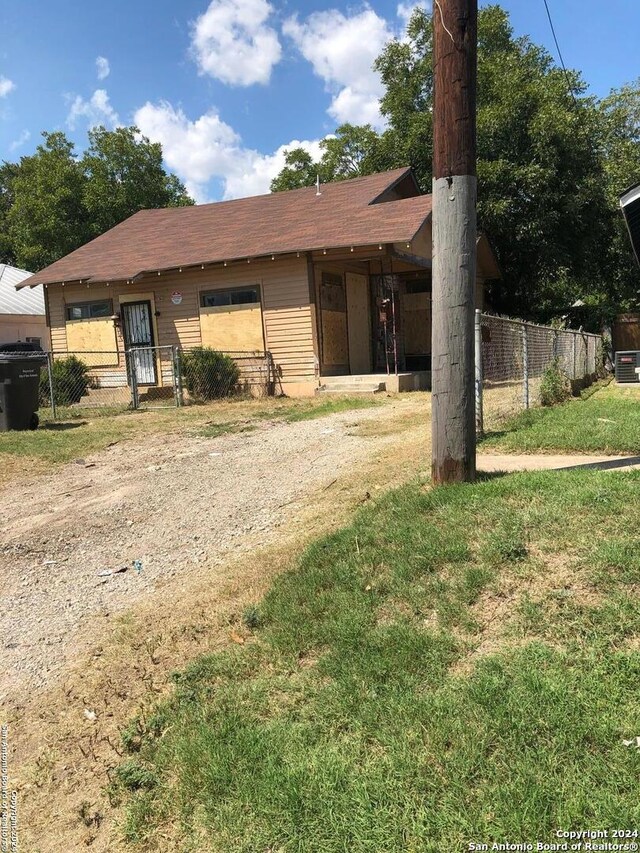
512,357
95,383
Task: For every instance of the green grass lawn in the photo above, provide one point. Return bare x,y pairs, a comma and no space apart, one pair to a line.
459,664
607,421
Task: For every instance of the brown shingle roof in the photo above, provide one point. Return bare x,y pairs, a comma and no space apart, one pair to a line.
297,220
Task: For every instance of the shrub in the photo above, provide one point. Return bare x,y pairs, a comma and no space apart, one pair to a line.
70,381
555,386
208,374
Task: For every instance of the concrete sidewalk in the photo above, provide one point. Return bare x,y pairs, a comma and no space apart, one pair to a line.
491,462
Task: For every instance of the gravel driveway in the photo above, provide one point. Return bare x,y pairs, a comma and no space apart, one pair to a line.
172,502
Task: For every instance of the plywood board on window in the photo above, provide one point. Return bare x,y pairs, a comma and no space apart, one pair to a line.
335,349
232,328
416,321
94,339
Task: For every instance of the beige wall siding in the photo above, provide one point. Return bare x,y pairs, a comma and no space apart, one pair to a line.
19,327
284,287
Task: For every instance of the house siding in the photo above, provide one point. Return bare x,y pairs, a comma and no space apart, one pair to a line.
286,310
18,327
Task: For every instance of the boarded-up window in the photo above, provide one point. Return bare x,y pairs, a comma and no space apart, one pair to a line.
333,295
91,331
231,320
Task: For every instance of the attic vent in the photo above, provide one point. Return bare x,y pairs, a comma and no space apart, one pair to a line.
626,364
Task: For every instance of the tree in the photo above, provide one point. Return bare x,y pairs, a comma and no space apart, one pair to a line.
7,174
352,151
542,184
125,174
299,171
47,218
540,173
621,118
51,202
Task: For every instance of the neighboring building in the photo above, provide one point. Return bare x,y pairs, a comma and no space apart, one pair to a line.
630,204
625,332
22,313
321,279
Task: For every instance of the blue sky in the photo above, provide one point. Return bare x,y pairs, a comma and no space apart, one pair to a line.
227,85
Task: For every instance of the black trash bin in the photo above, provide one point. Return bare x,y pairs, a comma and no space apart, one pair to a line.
20,366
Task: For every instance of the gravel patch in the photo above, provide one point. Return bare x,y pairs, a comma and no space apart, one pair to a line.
100,534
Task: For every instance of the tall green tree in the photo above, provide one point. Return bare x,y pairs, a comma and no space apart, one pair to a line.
542,193
47,217
7,174
124,174
52,202
353,150
621,142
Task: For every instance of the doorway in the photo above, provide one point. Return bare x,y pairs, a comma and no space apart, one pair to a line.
137,329
358,323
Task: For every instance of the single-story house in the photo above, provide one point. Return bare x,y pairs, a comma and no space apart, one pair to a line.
331,280
22,313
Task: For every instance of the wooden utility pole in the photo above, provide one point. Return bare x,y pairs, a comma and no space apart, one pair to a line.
454,239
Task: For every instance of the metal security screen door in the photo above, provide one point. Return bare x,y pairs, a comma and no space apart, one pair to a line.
138,337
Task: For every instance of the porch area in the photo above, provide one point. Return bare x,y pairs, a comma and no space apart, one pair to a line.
373,323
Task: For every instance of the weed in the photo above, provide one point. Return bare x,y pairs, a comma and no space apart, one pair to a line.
555,386
134,777
252,618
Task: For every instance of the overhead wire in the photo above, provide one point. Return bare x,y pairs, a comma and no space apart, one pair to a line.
555,38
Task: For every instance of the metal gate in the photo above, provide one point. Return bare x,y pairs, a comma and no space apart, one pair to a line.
138,336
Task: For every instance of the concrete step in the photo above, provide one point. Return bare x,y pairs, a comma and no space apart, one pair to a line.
352,388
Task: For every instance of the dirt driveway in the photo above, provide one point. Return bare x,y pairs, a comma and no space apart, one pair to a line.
179,504
85,647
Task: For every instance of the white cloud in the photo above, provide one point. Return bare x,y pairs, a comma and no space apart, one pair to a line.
103,69
232,42
6,86
405,10
208,148
25,136
97,110
342,51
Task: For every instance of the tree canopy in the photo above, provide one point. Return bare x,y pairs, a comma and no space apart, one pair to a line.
53,201
552,161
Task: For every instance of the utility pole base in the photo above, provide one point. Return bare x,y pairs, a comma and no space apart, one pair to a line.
452,360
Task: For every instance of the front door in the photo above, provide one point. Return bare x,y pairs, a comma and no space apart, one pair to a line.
137,329
358,323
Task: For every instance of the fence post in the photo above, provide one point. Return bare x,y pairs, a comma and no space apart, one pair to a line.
525,367
478,372
177,384
174,378
52,398
575,341
135,399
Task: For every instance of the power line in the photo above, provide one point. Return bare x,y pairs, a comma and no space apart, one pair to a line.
555,38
